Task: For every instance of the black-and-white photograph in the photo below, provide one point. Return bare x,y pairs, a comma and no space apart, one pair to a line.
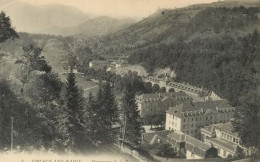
129,80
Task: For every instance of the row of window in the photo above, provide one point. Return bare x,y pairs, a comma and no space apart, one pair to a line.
230,138
207,118
190,126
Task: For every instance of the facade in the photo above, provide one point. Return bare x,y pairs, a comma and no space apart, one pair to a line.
158,103
98,64
168,84
189,117
223,137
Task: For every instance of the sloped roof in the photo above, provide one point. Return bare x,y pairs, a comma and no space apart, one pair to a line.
176,135
196,146
149,137
162,95
226,127
209,129
222,143
195,108
156,138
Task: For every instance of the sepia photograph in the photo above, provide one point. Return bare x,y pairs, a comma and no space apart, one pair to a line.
129,81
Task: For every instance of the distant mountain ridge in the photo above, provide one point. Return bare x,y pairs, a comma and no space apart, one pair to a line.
58,19
99,26
29,18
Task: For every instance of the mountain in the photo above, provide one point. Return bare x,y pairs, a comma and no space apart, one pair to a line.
214,46
92,27
167,25
33,19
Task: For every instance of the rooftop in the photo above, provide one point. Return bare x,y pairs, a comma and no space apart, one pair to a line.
177,136
163,96
226,127
150,137
196,146
189,108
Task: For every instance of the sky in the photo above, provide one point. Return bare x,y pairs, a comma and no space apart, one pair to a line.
121,8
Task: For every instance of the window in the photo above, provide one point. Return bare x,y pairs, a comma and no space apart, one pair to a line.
234,139
183,126
210,117
191,119
183,120
191,125
206,118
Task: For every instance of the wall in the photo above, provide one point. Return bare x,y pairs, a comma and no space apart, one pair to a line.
189,155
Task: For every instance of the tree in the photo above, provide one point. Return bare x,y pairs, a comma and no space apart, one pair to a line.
101,115
32,61
155,88
75,111
148,87
6,31
11,106
171,90
130,117
110,112
90,117
247,121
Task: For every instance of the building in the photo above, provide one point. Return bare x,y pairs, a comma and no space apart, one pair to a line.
184,144
189,117
158,103
187,88
196,149
223,137
98,64
184,87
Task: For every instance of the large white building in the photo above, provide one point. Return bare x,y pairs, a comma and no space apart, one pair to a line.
189,117
158,103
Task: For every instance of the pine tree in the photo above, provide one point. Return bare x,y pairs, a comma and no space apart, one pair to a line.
101,115
110,113
130,115
75,113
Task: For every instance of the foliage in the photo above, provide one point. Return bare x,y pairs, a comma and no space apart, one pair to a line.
74,113
155,119
160,149
6,31
102,115
130,117
247,120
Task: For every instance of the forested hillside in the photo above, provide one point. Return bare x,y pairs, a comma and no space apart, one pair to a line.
210,47
213,46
